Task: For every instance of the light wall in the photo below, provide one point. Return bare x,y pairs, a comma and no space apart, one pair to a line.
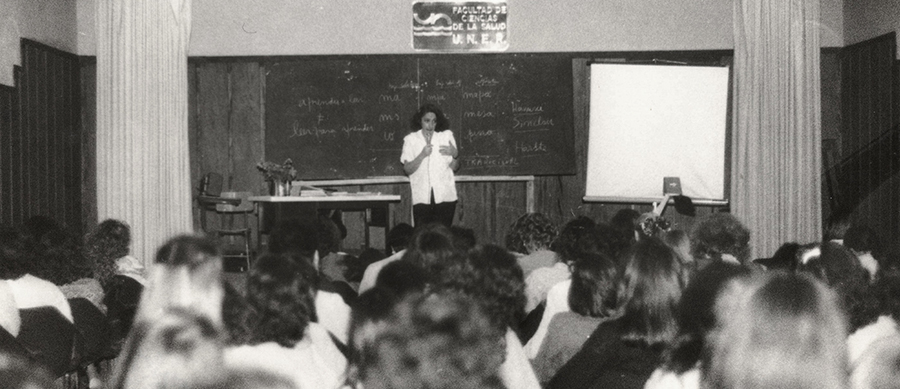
865,19
321,27
51,22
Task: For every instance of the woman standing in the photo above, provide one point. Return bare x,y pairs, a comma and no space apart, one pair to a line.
429,159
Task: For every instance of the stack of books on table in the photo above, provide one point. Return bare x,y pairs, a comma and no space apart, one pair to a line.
311,191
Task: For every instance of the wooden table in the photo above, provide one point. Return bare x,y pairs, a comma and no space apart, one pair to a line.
272,209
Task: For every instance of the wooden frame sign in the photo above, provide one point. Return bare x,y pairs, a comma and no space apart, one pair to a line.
460,26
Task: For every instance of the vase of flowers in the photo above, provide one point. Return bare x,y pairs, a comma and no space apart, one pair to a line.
278,177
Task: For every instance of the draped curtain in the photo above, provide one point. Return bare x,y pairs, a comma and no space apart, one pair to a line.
143,172
777,133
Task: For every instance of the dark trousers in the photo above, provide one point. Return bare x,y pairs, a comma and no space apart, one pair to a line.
429,213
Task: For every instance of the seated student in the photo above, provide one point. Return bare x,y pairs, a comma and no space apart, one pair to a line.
623,352
864,243
436,341
695,317
397,240
403,278
121,275
592,298
178,348
530,237
284,339
27,290
299,241
578,235
490,276
839,268
776,330
720,237
357,266
866,339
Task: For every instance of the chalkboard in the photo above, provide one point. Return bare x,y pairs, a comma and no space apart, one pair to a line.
346,118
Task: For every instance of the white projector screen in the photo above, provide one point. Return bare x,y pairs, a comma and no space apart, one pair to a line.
652,121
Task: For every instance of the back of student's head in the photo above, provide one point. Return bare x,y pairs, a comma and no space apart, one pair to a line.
579,235
104,245
398,237
649,291
593,289
777,330
624,221
531,232
294,237
282,298
832,263
435,341
432,247
862,239
187,274
696,313
179,348
328,235
785,258
720,236
491,276
464,238
403,277
12,254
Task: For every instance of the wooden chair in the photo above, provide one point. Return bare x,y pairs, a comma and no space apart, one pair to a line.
227,206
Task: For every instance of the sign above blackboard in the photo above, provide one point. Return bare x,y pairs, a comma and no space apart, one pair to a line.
340,119
460,26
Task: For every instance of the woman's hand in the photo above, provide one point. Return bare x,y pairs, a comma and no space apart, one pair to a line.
426,151
449,149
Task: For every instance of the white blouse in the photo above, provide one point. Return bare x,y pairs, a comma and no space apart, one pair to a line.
434,172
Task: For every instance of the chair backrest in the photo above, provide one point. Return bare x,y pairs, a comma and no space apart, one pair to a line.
49,336
245,206
10,345
211,184
95,330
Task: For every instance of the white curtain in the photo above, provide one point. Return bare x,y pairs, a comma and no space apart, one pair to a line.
143,173
777,133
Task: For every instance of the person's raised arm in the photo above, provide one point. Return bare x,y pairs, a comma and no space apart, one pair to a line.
410,167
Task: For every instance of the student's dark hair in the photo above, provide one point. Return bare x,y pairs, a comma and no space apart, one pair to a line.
436,341
402,277
103,246
463,238
649,291
280,295
188,250
294,237
328,235
371,308
696,314
491,276
442,123
840,269
238,316
398,237
531,232
53,252
593,289
836,225
577,236
717,234
785,258
12,254
624,221
432,247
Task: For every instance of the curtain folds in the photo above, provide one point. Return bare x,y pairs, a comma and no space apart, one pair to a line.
143,172
776,170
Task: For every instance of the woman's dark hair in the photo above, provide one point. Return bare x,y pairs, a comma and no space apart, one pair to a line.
52,252
696,314
577,236
188,250
398,237
238,316
432,247
294,237
531,232
841,270
785,258
491,276
437,341
718,234
593,289
862,239
281,297
442,123
402,277
107,243
649,291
